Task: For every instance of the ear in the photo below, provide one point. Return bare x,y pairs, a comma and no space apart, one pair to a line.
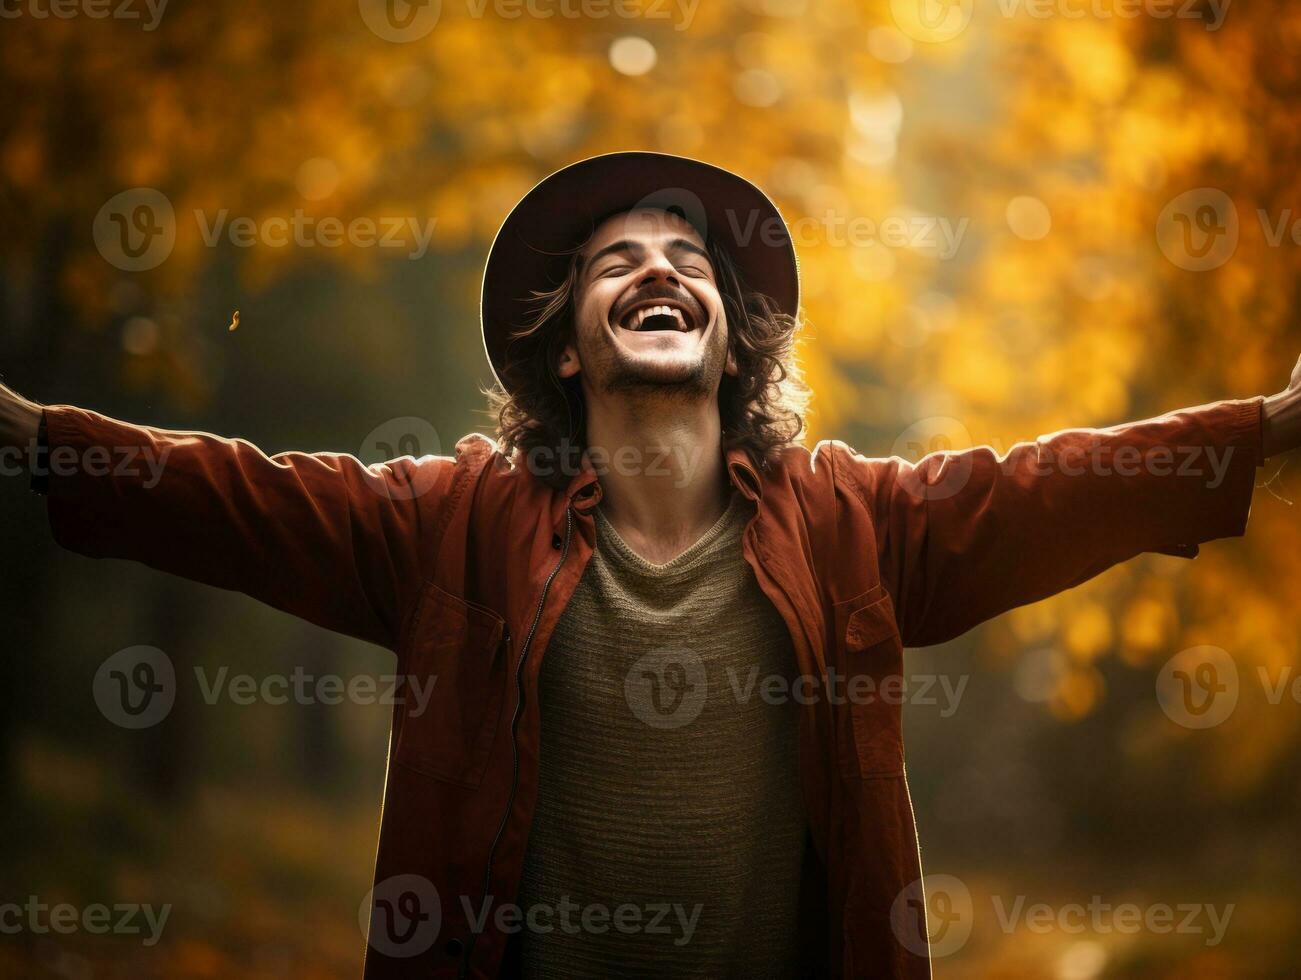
567,364
729,367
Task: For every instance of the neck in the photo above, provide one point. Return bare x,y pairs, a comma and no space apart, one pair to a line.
663,478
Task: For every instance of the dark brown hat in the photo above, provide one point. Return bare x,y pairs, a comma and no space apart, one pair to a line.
534,245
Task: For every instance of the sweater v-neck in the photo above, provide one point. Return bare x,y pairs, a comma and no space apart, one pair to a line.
610,540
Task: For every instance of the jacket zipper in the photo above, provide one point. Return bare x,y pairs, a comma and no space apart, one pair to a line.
514,729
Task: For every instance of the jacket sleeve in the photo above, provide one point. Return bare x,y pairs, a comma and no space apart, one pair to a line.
321,536
964,536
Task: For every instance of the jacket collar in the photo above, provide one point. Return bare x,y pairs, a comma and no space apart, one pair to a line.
743,475
584,489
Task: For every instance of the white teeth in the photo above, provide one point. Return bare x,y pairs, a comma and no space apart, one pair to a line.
639,316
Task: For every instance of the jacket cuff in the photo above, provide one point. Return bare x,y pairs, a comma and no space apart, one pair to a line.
91,463
1239,428
1256,413
40,475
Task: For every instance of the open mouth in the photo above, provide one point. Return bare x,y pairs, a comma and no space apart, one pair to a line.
658,315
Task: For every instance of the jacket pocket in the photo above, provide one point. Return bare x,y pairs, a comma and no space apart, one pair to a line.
874,688
455,684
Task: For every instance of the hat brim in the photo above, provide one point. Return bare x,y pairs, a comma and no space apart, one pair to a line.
534,245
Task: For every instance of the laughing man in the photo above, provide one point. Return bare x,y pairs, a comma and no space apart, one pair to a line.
598,785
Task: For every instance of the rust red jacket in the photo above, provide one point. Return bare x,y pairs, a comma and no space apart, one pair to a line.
463,565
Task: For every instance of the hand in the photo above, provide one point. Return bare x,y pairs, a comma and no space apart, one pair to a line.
1283,417
20,420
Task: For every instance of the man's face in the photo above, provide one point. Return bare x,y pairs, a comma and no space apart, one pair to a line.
648,315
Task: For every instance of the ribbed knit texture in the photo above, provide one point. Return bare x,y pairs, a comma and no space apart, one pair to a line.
668,781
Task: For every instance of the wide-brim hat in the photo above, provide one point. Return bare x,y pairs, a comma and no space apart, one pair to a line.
535,243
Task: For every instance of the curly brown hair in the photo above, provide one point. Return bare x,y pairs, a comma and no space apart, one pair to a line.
761,409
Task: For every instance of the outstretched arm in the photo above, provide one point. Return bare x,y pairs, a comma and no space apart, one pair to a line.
20,418
322,536
1282,417
964,536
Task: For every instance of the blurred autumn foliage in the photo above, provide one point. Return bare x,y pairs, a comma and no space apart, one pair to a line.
1031,161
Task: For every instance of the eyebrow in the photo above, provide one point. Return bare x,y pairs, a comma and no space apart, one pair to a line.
627,245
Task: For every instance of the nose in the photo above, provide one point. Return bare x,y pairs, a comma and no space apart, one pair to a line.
658,269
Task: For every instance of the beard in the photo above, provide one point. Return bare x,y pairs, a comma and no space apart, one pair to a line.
622,373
